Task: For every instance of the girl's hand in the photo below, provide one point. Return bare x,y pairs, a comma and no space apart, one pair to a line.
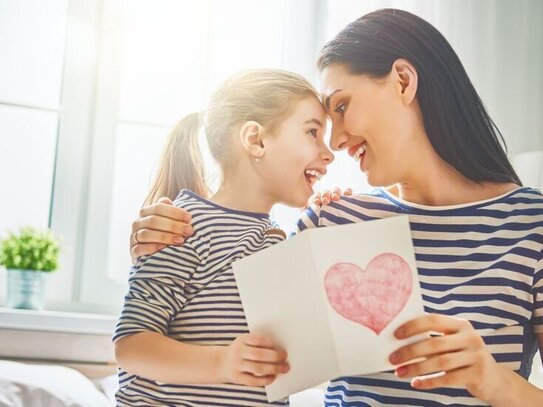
460,354
158,226
252,360
325,197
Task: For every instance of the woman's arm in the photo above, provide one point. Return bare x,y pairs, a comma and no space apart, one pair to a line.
250,360
163,224
464,358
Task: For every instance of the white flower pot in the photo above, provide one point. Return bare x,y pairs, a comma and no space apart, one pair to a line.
25,289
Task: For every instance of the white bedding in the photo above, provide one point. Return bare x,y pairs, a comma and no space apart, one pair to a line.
27,385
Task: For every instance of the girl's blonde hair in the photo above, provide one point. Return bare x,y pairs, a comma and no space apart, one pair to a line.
262,95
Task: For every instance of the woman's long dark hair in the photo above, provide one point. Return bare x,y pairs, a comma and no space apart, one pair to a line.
458,126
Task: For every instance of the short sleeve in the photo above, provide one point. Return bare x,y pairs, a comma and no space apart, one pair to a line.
157,291
537,317
309,219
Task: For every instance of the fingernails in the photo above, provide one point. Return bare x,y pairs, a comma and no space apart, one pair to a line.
401,371
399,333
416,383
394,358
178,240
188,230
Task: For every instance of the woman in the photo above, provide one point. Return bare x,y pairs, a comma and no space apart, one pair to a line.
403,106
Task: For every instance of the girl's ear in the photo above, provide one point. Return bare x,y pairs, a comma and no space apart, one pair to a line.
250,135
406,78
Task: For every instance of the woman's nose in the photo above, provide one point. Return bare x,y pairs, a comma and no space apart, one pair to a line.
338,140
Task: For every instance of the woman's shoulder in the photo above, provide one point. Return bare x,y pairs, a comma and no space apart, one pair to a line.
363,206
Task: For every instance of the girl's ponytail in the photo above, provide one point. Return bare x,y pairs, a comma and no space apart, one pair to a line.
181,164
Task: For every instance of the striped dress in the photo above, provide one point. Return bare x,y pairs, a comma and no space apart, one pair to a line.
480,261
189,294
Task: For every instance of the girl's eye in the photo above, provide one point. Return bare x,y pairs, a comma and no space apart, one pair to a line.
340,109
313,132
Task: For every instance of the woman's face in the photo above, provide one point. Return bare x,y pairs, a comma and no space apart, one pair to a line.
296,154
371,121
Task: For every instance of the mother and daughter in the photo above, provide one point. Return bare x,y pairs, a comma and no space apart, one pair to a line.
402,105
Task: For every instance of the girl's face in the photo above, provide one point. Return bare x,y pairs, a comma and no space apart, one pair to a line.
296,155
371,121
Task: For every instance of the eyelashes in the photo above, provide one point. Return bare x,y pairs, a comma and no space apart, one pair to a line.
313,132
340,109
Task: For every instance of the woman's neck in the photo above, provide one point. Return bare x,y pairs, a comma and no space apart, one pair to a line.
436,183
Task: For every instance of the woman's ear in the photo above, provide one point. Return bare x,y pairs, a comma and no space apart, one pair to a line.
250,135
406,78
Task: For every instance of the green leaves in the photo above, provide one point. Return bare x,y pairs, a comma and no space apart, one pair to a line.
30,249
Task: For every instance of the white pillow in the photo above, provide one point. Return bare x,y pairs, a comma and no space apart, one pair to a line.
46,386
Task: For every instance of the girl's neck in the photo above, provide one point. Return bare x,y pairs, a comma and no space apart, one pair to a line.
242,194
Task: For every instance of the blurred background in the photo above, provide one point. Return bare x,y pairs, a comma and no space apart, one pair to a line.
89,89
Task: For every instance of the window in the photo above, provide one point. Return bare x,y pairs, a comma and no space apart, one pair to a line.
88,96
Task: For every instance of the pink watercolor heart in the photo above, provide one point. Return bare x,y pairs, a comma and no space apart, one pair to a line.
371,297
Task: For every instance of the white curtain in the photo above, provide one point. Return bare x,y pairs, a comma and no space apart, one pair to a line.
500,43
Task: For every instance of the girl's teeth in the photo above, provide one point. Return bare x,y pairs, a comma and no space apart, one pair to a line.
314,173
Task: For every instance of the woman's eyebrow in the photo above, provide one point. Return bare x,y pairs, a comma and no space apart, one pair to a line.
327,99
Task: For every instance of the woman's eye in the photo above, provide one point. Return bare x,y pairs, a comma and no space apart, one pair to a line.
340,109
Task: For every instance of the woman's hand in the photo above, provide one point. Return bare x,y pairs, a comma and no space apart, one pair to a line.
252,360
158,226
460,353
327,196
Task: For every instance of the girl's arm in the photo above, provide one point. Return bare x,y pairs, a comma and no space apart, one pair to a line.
464,358
249,360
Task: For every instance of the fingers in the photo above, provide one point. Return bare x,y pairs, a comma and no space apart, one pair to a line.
263,369
454,378
325,196
431,322
439,363
161,230
252,353
167,210
428,347
257,341
165,200
144,250
259,360
249,379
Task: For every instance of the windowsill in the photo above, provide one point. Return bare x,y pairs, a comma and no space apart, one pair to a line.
56,321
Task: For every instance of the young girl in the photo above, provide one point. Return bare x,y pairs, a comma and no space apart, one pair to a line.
182,338
403,107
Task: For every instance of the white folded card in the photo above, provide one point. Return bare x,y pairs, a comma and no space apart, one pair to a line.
332,298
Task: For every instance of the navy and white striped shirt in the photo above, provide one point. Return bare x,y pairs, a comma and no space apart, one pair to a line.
480,261
189,293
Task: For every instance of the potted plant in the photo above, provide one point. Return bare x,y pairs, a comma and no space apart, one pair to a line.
28,256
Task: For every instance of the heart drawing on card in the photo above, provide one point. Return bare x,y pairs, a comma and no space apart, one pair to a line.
373,296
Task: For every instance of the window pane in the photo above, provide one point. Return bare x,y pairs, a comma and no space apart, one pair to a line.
255,41
137,153
163,59
27,156
32,50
